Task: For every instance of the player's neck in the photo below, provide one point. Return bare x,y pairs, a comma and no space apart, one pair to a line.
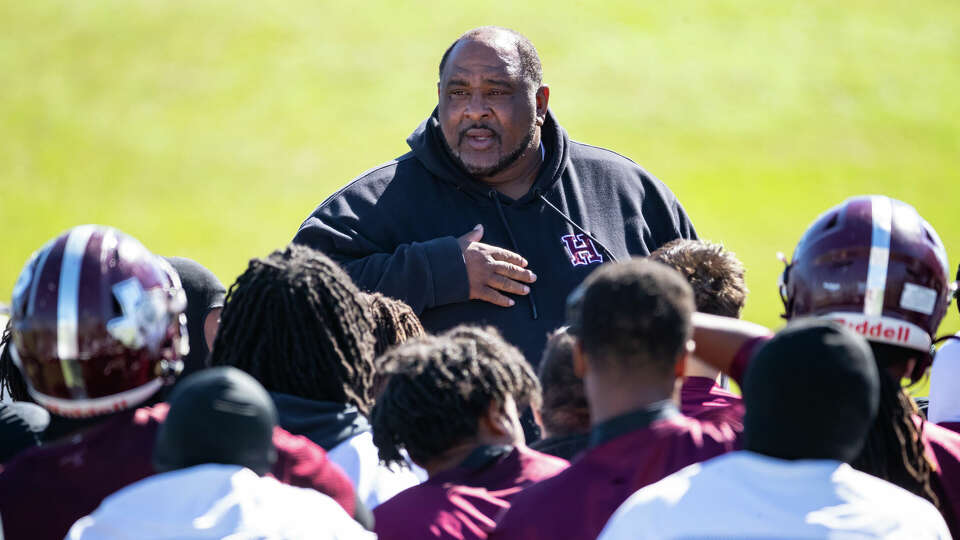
611,398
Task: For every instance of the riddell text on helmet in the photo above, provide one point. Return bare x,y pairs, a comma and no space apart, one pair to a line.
884,330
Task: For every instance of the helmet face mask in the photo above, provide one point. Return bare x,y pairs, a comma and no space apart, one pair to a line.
873,264
98,323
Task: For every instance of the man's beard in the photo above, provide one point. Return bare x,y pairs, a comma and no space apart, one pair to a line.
499,166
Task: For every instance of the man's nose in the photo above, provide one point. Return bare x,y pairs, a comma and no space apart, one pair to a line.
477,107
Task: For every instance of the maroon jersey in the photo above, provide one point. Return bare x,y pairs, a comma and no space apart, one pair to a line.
702,398
943,441
627,453
463,502
44,490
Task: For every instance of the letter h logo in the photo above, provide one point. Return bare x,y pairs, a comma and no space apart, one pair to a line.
581,249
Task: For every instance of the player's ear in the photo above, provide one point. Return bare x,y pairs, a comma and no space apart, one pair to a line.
684,357
497,420
579,361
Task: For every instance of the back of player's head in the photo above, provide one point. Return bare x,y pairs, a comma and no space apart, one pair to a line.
715,274
97,323
811,392
394,321
297,323
633,317
218,415
440,387
874,264
204,294
564,410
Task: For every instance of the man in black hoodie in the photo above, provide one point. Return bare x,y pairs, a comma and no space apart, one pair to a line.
540,211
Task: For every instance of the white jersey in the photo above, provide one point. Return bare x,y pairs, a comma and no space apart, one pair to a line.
216,501
747,495
945,384
373,481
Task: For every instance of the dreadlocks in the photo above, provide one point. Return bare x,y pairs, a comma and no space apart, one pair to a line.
394,321
11,380
296,323
894,450
441,386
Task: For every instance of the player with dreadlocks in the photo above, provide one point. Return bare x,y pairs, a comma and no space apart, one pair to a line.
394,322
873,264
296,323
452,403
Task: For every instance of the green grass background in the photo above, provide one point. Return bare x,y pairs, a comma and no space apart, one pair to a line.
210,129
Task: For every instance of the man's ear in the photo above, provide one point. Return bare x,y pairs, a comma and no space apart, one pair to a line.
496,421
579,360
543,98
684,357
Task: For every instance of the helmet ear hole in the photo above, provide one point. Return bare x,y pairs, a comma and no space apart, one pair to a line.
832,222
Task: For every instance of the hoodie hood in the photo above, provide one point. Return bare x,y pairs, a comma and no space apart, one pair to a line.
324,422
427,145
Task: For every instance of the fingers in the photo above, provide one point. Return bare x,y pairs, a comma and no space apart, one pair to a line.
514,272
504,284
490,295
504,255
473,235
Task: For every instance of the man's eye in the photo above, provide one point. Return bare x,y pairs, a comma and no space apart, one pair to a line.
458,92
497,92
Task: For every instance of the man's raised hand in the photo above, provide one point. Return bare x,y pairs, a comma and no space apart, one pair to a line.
492,270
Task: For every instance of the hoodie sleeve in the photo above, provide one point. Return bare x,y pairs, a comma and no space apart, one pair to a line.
422,274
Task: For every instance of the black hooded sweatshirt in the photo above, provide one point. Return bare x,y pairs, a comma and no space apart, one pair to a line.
394,229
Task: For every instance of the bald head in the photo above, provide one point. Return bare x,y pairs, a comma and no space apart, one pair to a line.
528,61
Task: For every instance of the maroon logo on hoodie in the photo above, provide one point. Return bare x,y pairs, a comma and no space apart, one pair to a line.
581,249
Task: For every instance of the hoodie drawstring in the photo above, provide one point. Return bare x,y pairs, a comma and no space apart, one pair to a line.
567,218
513,242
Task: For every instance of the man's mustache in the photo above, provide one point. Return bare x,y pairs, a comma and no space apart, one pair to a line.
463,132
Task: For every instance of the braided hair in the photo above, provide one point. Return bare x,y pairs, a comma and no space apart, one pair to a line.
394,321
12,382
441,386
894,450
296,323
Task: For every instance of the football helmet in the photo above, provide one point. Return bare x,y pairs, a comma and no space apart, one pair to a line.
873,264
98,323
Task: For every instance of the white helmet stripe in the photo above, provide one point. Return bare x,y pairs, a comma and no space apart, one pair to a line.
882,210
68,296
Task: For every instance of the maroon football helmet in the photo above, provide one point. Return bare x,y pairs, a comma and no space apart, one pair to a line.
98,323
873,264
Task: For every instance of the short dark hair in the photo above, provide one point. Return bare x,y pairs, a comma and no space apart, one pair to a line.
297,323
530,65
440,387
635,316
715,274
564,410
